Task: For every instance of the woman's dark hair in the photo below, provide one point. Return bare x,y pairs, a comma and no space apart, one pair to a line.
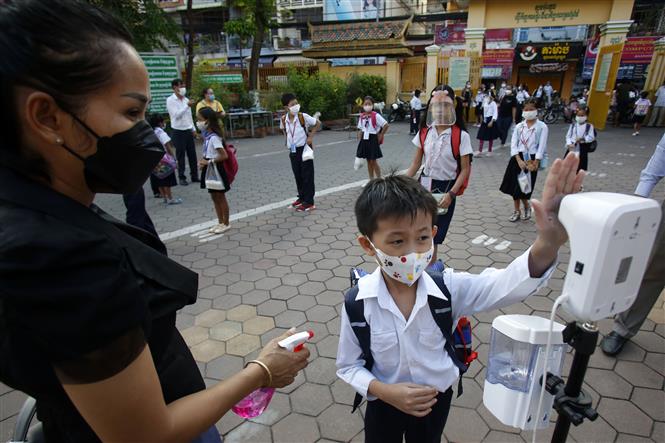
65,48
204,92
368,97
211,118
393,196
459,117
155,120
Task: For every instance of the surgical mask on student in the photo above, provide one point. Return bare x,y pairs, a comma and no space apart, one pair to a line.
405,269
368,108
509,91
182,91
295,109
441,110
580,119
211,97
530,115
202,126
503,85
123,161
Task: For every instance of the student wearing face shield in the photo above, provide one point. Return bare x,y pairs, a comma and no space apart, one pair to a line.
443,147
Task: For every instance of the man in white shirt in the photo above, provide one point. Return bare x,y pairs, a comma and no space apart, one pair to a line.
299,129
407,375
182,125
416,107
658,113
628,323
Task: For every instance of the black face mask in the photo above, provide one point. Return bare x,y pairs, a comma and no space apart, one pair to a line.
123,161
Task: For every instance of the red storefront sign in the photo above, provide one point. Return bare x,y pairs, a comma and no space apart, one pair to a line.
495,57
451,34
499,35
638,49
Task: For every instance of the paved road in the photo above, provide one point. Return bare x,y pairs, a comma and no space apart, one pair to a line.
276,269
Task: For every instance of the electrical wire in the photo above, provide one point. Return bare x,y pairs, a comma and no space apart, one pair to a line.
560,299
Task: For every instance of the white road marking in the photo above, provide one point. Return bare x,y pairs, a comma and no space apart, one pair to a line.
200,229
283,151
490,241
478,240
502,246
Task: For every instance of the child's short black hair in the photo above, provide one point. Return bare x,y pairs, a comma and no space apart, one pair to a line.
392,196
155,120
644,94
368,98
286,98
175,82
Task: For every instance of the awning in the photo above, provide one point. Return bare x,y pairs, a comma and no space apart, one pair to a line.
359,39
297,60
263,61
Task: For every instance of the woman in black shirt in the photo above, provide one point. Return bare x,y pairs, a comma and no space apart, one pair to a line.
88,303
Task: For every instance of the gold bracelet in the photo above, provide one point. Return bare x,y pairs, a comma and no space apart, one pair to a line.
265,368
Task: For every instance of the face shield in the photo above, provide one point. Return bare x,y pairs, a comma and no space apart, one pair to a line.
441,110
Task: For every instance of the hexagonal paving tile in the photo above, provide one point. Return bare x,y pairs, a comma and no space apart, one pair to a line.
225,330
255,297
241,313
591,431
301,302
209,318
243,344
284,292
651,401
321,313
224,367
240,288
328,346
279,408
311,399
194,335
465,425
249,432
290,319
258,325
625,417
607,383
268,283
208,350
322,371
337,423
639,375
296,428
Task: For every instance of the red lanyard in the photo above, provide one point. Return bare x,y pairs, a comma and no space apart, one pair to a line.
293,133
525,142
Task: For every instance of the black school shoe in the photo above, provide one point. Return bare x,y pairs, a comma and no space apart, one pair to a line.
613,343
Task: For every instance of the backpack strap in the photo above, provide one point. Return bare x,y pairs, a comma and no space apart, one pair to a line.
442,313
355,309
373,116
301,119
455,142
423,136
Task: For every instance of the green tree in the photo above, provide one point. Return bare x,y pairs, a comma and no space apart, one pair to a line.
150,26
257,16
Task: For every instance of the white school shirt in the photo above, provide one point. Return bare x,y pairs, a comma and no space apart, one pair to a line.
365,123
211,146
642,106
479,98
295,133
440,164
529,140
162,136
180,113
521,96
416,104
412,350
575,131
490,110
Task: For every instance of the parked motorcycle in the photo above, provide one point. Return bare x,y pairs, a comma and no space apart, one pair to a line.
400,110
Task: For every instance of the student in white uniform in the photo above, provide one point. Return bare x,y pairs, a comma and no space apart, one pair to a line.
527,149
478,100
445,149
371,129
299,128
579,136
488,129
408,383
416,106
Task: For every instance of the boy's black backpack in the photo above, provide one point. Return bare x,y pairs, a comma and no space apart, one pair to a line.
458,342
591,146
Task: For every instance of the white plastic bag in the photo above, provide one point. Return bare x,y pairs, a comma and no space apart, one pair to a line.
524,180
213,178
307,153
359,163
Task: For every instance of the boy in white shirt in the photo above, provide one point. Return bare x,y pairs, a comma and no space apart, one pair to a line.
642,106
416,106
407,375
299,129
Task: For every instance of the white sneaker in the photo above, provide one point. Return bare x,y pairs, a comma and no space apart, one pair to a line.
489,154
219,229
636,133
477,154
527,214
225,227
515,216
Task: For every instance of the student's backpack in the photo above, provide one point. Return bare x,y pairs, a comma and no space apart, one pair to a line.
458,341
231,163
591,146
455,141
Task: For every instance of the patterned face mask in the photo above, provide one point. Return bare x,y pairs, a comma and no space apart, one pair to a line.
405,269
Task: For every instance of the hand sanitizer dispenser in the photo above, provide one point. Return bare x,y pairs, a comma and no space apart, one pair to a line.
516,359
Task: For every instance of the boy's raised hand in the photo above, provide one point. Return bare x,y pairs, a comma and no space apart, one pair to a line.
410,398
563,179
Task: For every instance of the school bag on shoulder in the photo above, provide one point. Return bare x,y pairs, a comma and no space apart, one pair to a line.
231,163
458,341
591,146
455,142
